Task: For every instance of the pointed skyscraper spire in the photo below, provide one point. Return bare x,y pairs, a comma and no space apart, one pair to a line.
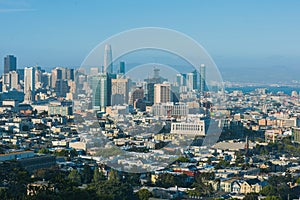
108,65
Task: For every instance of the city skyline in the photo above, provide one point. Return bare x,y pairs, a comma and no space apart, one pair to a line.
260,35
142,100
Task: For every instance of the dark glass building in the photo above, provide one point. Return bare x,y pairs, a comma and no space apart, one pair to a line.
122,68
10,63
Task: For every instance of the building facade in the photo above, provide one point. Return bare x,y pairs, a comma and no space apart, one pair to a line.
183,128
10,64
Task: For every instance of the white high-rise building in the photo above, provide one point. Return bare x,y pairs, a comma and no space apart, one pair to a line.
202,86
108,65
14,79
190,81
29,84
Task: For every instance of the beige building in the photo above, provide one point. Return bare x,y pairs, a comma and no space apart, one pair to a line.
162,93
119,91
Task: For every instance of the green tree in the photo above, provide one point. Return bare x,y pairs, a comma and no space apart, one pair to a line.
144,194
86,174
272,198
183,159
113,176
74,176
44,151
114,190
98,176
251,196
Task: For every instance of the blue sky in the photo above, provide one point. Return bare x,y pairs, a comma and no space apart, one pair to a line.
237,34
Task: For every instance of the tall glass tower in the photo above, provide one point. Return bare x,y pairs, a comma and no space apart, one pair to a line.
101,86
10,63
202,85
108,65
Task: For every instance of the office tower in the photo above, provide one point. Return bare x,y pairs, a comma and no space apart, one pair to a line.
122,68
195,80
20,74
5,81
137,93
29,83
150,84
162,93
14,80
119,91
69,74
190,81
179,80
46,79
61,87
10,63
202,86
56,74
101,88
38,77
108,65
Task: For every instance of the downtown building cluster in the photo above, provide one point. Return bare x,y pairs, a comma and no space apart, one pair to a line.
89,112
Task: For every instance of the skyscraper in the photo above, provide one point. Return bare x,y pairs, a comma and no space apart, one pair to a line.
29,83
101,87
137,93
120,90
162,93
195,80
122,67
10,63
202,85
56,74
191,81
108,65
14,79
151,82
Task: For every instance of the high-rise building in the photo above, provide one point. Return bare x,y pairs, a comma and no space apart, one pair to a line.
202,86
108,64
191,81
14,80
101,87
69,74
60,73
21,74
122,68
162,93
119,91
29,83
195,80
137,93
61,88
10,63
180,80
38,76
46,79
56,74
151,82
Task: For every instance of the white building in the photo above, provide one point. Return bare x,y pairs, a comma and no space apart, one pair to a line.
184,128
